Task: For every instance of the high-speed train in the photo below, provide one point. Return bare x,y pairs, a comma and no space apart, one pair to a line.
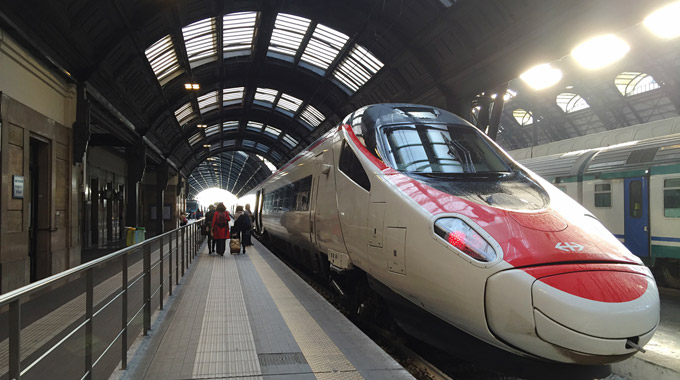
459,239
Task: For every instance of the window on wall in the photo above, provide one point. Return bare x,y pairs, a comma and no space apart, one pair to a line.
671,198
632,83
569,102
603,195
350,165
523,117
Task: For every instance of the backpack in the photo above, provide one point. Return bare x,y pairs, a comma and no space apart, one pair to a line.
221,221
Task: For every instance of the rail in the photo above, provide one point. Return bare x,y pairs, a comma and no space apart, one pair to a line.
69,318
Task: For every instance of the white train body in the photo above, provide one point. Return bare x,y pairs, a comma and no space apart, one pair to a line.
504,257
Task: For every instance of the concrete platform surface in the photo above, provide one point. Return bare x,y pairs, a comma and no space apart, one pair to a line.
250,316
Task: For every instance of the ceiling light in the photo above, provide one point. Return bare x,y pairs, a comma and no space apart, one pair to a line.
664,21
600,51
192,86
201,126
541,76
206,145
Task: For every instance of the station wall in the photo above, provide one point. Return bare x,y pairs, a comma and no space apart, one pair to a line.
37,229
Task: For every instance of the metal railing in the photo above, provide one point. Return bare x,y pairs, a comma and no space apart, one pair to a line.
70,318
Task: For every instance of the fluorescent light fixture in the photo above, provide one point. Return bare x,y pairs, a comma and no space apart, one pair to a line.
664,21
201,126
541,76
192,86
600,51
206,145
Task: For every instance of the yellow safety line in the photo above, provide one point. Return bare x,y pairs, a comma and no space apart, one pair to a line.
323,356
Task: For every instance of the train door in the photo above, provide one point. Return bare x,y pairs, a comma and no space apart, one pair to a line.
326,225
636,220
353,186
257,210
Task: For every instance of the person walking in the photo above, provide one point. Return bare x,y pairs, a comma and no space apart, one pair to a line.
220,227
241,226
207,226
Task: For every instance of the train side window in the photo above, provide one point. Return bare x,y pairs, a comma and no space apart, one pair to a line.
302,190
350,165
603,195
671,198
635,201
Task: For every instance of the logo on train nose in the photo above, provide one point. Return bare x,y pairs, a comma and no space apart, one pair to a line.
569,247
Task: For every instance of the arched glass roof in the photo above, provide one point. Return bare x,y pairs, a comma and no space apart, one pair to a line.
287,43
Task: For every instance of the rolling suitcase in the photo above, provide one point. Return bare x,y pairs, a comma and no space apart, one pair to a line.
235,245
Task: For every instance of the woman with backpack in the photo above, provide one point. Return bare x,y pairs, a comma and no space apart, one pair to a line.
220,227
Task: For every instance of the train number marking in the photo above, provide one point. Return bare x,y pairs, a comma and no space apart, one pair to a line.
569,247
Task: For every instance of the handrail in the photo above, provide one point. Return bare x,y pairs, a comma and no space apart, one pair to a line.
18,293
187,240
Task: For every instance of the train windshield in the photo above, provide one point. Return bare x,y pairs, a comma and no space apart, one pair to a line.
441,149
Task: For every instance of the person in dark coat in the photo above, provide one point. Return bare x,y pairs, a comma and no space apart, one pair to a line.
246,239
207,225
220,227
242,226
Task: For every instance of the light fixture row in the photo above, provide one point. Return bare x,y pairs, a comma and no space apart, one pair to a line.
603,50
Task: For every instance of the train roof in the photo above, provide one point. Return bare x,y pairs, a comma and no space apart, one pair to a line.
404,113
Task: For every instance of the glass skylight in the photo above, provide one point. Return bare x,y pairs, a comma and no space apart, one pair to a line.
208,102
569,102
276,156
633,83
288,33
200,40
229,143
289,141
185,114
271,131
323,47
269,165
262,148
238,33
289,103
163,59
254,126
195,138
357,68
523,116
249,143
230,126
212,130
311,116
231,96
266,95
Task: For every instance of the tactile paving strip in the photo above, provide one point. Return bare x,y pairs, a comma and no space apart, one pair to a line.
226,347
321,353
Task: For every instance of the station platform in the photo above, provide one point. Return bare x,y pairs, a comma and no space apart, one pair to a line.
250,316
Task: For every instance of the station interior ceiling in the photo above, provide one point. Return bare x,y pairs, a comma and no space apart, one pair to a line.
217,89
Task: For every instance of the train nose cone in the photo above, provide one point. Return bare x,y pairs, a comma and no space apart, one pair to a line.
574,313
596,311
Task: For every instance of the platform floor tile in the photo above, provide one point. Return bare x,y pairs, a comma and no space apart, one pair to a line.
249,316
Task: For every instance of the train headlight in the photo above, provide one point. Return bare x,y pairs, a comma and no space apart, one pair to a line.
460,235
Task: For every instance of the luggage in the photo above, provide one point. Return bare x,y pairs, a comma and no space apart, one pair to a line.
235,246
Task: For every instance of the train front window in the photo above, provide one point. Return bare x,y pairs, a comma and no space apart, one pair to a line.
441,149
